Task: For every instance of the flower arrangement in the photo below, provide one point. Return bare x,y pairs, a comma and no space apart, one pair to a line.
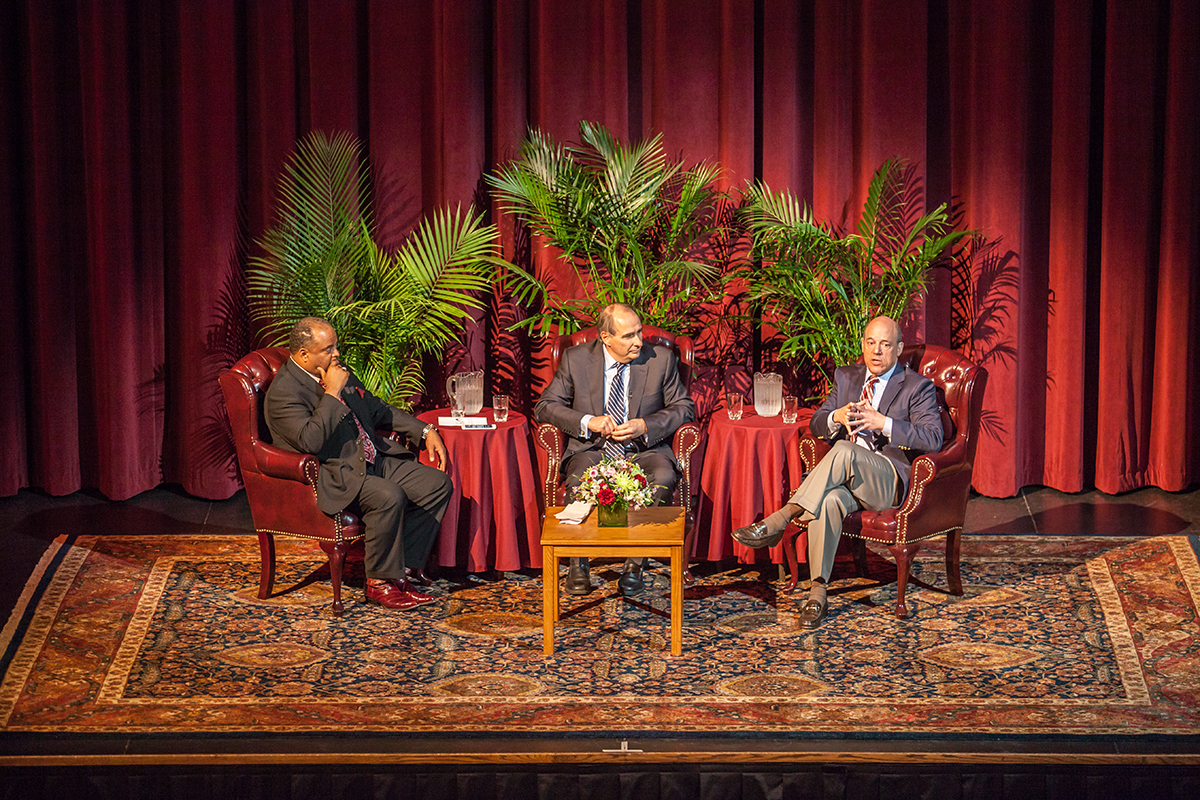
616,483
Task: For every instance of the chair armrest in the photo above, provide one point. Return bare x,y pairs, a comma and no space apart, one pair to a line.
683,444
276,462
938,486
553,441
812,450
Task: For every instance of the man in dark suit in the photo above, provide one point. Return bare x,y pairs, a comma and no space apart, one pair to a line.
879,417
314,405
636,421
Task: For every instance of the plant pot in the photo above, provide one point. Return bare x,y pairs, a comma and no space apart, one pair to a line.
613,516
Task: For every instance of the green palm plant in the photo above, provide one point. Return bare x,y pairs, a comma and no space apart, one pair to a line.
321,259
820,287
639,228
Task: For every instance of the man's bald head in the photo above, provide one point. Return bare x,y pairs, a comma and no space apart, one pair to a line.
882,344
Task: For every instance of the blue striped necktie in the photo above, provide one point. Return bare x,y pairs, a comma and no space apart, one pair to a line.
615,408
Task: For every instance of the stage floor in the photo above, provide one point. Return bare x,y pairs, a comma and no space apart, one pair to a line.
32,521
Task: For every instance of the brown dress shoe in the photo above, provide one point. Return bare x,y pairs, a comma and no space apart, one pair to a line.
813,614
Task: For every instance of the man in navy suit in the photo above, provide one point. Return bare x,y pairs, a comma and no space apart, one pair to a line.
879,417
315,405
650,405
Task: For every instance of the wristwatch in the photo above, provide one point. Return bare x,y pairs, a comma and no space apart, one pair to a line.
425,432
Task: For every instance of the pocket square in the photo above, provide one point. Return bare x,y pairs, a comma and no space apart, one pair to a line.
361,391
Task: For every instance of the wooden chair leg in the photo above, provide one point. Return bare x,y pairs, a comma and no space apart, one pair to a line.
953,571
337,559
859,548
793,559
688,541
266,549
904,555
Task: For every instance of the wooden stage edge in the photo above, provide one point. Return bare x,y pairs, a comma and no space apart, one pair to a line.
516,758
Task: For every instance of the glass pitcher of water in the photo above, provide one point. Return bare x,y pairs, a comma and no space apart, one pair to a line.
466,392
768,393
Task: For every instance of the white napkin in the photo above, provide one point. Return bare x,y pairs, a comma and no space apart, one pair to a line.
575,513
451,422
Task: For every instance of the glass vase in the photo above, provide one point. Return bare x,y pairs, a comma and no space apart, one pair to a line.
613,516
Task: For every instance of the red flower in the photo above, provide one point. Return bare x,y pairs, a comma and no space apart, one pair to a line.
641,479
606,497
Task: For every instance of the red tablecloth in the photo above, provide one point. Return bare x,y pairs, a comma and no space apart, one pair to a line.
494,517
751,466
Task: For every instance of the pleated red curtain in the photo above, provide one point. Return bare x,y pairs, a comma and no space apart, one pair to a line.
141,141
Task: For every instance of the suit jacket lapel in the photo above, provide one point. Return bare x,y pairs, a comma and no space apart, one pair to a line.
637,384
595,374
892,390
858,376
306,382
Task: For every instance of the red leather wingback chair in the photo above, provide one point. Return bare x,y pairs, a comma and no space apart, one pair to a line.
281,485
685,441
939,484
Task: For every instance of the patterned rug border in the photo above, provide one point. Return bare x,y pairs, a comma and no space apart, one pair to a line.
71,555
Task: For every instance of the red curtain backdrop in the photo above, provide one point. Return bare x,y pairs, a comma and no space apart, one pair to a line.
142,140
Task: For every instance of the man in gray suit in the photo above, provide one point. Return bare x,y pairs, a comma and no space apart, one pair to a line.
879,417
315,405
636,421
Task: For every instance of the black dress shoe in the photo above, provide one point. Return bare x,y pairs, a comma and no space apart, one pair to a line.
755,535
579,581
632,582
813,614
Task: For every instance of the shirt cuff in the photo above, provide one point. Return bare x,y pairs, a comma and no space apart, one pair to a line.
887,427
584,433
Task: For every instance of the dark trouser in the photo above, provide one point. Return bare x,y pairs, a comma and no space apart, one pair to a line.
402,505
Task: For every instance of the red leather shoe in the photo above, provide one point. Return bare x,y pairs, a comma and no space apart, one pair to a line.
418,577
411,591
389,594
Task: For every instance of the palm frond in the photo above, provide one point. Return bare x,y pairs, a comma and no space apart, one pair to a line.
321,259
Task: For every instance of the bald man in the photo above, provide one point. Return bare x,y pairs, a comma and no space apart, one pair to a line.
879,417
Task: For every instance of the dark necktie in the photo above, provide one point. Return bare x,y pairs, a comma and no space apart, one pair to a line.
865,436
615,408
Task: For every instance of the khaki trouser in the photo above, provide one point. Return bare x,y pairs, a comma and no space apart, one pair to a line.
848,478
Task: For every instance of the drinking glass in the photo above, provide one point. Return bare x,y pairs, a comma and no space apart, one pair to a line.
733,405
500,407
791,406
458,407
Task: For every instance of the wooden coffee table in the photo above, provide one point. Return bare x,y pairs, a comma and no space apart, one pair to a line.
656,531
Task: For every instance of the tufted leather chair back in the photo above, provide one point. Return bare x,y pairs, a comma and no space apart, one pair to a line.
956,379
683,346
245,386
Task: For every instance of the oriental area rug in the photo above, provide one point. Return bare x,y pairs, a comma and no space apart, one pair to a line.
1062,636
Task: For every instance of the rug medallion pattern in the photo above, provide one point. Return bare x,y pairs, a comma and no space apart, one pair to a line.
1054,635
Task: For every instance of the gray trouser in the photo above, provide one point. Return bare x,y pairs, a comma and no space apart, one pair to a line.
848,478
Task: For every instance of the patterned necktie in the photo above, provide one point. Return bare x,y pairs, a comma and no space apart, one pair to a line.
865,437
368,445
615,408
363,436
